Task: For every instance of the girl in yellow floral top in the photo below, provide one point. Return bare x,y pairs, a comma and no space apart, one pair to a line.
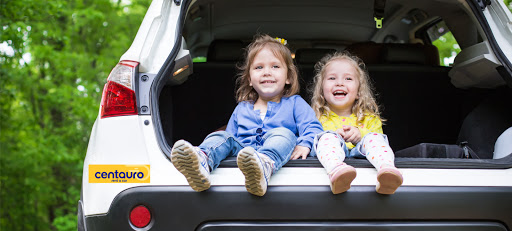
345,105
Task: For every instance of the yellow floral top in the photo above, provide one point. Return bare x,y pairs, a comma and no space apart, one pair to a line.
333,122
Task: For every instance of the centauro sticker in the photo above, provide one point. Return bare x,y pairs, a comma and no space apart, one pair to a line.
119,173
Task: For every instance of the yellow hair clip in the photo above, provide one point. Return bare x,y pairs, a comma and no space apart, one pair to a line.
281,40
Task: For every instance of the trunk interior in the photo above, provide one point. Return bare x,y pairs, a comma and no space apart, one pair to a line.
426,116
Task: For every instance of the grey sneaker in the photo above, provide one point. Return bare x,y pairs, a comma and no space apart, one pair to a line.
192,163
256,168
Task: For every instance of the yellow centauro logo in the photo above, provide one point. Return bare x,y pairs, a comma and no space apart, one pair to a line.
119,173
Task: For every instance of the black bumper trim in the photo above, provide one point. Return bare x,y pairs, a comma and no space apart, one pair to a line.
181,208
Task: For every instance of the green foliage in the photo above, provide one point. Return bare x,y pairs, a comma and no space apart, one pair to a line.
199,59
448,48
508,3
50,87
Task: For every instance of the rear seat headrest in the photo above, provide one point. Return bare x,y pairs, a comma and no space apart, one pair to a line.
225,51
411,54
369,52
389,53
311,55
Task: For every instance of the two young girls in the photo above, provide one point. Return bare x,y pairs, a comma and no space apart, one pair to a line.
344,104
269,123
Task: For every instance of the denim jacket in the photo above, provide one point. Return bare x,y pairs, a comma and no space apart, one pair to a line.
292,113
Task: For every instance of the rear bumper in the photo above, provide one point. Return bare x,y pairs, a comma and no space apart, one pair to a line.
299,207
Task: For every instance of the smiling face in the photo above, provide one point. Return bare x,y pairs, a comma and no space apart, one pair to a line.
268,75
340,86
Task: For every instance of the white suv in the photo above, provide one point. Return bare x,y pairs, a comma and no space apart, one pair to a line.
449,125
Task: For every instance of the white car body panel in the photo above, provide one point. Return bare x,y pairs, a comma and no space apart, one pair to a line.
156,36
500,22
126,140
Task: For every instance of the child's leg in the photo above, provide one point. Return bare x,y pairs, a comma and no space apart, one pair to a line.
380,155
331,155
278,144
194,162
218,146
258,166
377,151
330,151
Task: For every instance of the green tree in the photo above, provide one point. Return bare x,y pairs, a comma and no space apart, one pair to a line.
509,4
54,59
448,48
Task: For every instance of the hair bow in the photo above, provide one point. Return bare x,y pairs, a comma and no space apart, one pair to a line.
281,40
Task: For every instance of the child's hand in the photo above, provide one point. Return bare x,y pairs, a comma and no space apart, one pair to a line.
352,134
340,132
300,151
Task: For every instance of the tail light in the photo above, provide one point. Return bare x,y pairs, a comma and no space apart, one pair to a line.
118,94
140,216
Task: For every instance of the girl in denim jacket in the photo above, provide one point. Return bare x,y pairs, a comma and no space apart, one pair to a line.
269,125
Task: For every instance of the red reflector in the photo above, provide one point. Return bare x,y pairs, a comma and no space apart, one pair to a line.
118,100
129,63
140,216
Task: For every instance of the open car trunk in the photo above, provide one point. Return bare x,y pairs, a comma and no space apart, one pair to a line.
430,123
435,117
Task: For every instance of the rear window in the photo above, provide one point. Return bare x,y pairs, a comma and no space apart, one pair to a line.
443,39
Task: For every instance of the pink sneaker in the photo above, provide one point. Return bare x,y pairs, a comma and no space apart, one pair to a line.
341,177
389,179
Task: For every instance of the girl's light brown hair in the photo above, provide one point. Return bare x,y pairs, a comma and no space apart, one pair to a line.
247,93
364,105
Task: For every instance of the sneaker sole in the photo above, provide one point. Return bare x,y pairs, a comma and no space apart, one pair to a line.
343,180
389,181
184,158
249,164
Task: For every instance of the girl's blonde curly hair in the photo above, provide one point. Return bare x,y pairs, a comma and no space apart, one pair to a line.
247,93
363,106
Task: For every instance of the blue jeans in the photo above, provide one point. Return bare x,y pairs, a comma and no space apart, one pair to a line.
278,144
355,152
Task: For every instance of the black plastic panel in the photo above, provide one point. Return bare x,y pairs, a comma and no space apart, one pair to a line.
181,208
352,226
402,162
80,217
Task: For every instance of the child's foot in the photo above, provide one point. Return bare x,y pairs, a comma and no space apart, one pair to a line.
256,168
341,177
192,163
389,179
